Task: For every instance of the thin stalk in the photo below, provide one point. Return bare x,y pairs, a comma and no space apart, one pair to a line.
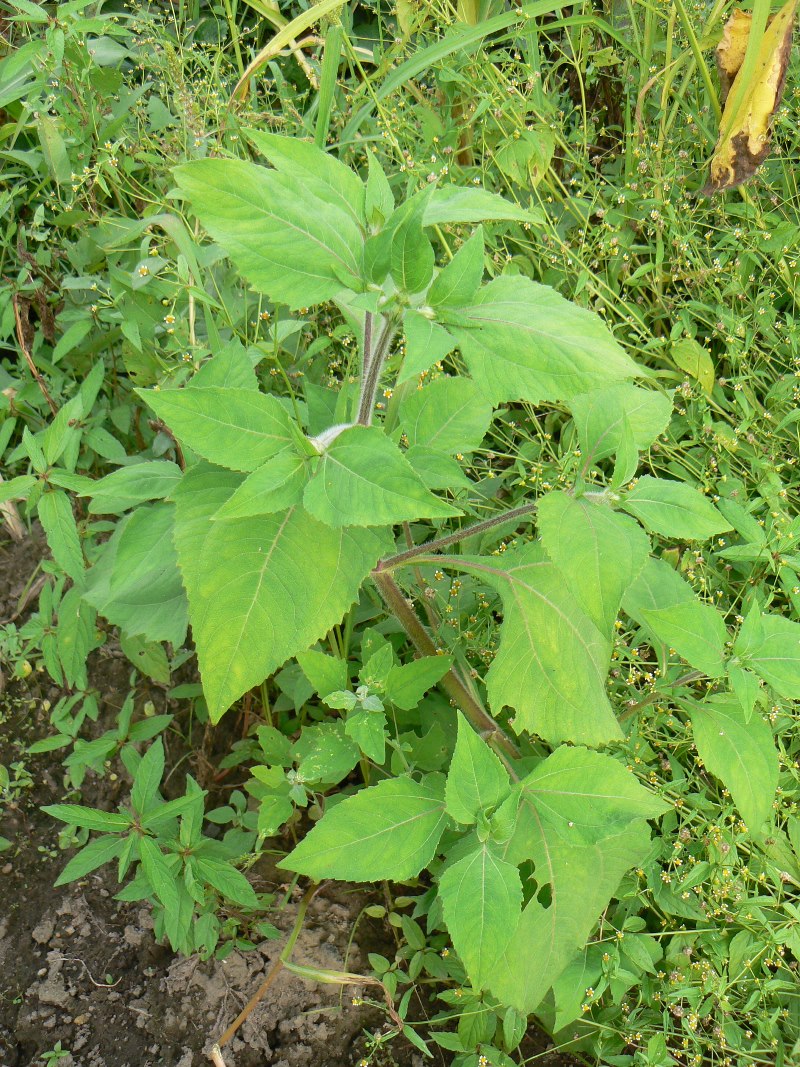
438,543
310,893
233,29
475,714
327,83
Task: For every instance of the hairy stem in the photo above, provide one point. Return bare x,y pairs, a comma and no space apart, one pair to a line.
475,714
439,543
374,358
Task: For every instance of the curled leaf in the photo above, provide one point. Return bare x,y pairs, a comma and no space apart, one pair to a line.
751,98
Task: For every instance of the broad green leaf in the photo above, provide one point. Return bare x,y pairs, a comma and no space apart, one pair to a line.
386,251
569,989
128,486
458,282
741,754
390,830
95,854
523,341
481,898
581,880
284,240
58,523
663,602
586,796
135,582
274,487
159,874
674,509
477,781
770,646
600,417
363,479
747,688
254,598
412,257
326,673
407,683
75,636
149,657
315,171
89,818
229,368
454,204
17,488
236,428
598,551
449,415
552,663
223,877
426,343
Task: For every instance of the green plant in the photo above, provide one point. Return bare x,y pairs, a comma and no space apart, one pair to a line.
524,846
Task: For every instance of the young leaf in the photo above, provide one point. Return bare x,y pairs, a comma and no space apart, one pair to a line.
159,874
481,898
458,282
148,777
324,753
552,662
741,754
95,854
449,415
236,428
663,602
128,486
368,730
674,509
598,551
437,470
276,486
287,242
379,201
770,646
363,479
523,341
255,596
229,368
412,257
390,830
600,418
477,781
326,673
58,523
426,343
89,818
408,683
223,877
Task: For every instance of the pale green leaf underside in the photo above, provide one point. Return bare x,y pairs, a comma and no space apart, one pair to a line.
390,830
299,250
236,428
741,754
552,663
481,898
523,341
598,551
363,479
601,416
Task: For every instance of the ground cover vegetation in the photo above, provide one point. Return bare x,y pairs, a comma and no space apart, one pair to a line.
382,381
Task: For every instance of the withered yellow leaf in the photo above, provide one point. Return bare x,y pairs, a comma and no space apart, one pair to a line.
749,109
